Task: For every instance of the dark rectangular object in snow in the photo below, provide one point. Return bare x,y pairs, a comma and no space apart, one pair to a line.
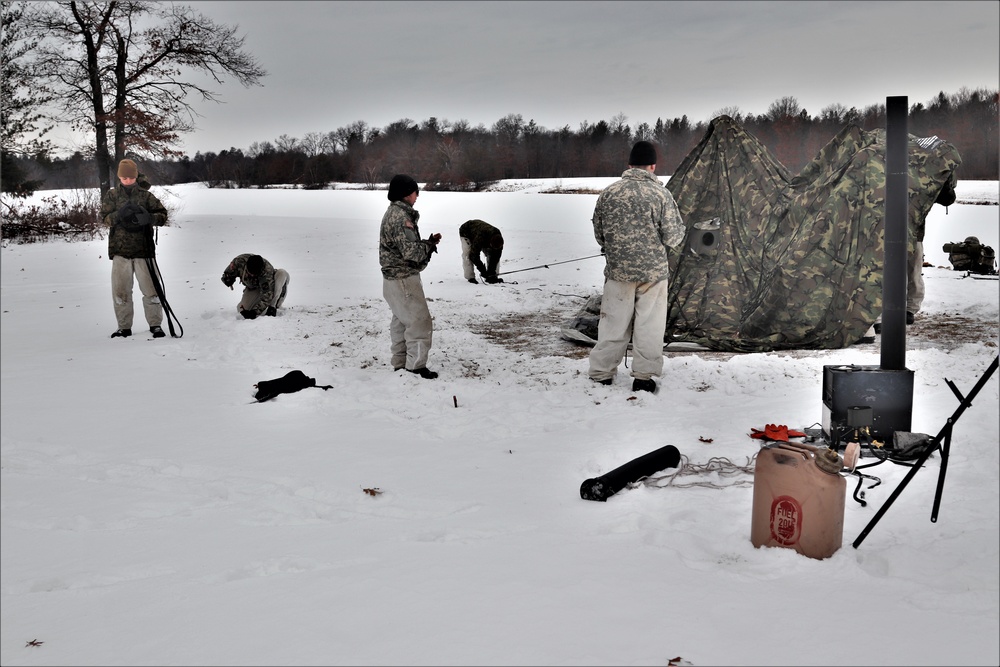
889,394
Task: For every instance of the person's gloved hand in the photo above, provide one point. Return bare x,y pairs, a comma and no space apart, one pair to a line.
248,314
271,311
434,239
142,216
127,213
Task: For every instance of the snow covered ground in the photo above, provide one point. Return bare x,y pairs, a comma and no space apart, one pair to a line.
153,514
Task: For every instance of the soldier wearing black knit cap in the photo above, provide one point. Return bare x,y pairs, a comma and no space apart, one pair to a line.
481,238
635,221
264,287
403,255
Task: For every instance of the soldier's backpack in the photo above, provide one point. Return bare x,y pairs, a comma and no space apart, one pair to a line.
972,256
987,262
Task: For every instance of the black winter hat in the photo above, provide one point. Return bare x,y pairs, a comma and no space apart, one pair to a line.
402,186
643,153
255,264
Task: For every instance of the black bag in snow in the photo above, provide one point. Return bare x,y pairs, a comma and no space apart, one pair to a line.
291,382
603,487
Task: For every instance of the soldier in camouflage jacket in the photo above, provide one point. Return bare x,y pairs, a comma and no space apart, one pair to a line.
130,212
264,287
635,220
403,255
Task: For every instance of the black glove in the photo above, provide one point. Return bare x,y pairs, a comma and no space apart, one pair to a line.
434,239
271,311
127,213
249,314
142,217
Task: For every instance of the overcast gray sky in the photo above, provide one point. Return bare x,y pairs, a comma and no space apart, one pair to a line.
330,64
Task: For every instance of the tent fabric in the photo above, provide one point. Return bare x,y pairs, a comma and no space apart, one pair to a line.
774,262
799,263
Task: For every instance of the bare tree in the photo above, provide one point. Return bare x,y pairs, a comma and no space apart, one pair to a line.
731,111
130,83
460,127
370,175
450,150
21,103
783,108
508,129
312,144
258,148
328,143
351,136
287,144
508,132
21,100
619,126
833,114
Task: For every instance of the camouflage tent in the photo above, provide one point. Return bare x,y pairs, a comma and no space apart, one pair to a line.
777,262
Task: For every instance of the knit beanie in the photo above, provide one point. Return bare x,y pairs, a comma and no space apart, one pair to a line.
643,153
402,186
127,169
255,264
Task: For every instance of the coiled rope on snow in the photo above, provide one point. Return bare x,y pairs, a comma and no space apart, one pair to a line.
717,465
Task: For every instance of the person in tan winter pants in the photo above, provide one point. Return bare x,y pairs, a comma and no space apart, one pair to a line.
131,212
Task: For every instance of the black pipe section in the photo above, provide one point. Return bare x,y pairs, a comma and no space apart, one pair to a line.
894,235
603,487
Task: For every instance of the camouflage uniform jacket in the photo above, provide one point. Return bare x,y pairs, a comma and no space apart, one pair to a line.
635,219
264,282
401,252
128,239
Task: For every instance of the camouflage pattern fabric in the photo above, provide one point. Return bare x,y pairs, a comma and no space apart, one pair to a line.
635,220
963,256
130,240
401,252
265,282
798,261
973,257
987,263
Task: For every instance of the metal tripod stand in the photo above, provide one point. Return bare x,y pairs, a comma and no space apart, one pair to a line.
943,437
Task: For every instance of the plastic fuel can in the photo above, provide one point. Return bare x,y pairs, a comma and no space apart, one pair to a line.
798,499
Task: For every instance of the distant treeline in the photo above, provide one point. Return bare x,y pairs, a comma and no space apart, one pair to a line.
457,156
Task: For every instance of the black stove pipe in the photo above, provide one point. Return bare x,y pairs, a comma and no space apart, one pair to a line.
894,234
